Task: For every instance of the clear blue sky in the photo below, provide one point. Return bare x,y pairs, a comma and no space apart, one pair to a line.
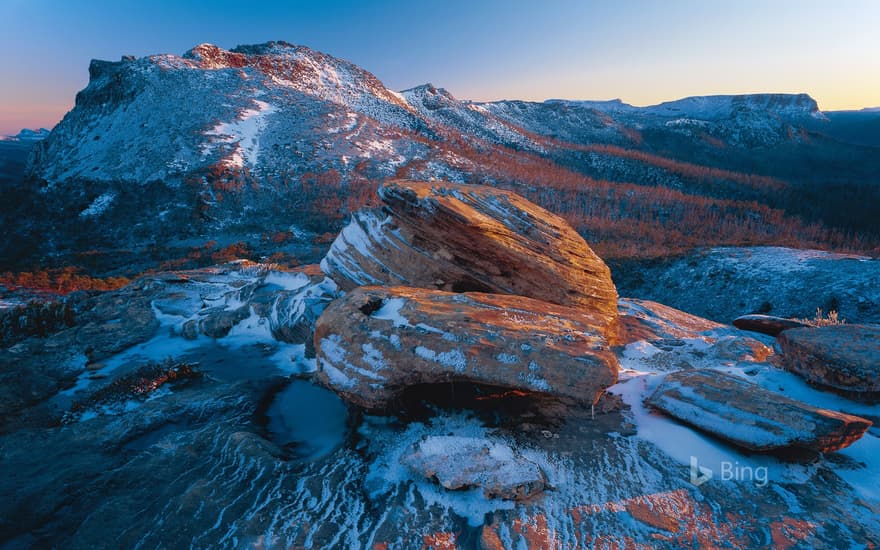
644,51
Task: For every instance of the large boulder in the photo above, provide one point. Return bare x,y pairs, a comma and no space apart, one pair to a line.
767,324
458,462
841,357
376,341
751,417
460,238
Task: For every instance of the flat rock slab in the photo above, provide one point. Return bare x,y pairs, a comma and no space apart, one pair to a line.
767,324
457,238
458,463
842,357
751,417
377,341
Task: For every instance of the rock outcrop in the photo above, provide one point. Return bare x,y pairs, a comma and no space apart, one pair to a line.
751,417
466,462
376,341
845,358
294,311
767,324
459,238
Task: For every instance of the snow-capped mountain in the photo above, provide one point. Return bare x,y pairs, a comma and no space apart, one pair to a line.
743,120
266,108
275,137
166,116
27,135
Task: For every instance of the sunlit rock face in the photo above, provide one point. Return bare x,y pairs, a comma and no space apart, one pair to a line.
751,417
376,341
458,238
842,357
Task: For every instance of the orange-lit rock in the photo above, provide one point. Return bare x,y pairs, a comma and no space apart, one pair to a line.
646,320
376,341
751,417
470,238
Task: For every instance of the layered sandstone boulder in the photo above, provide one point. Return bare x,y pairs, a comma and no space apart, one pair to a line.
767,324
376,341
459,238
841,357
750,416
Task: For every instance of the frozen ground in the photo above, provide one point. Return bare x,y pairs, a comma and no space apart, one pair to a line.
250,456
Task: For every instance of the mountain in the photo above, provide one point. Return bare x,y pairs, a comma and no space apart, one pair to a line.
754,119
27,135
169,157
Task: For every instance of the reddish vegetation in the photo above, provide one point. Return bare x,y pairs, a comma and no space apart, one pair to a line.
235,251
685,169
628,220
59,281
439,541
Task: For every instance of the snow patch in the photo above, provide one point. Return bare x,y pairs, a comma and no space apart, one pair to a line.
244,132
98,206
453,359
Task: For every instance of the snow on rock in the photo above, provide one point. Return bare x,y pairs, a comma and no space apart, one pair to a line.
243,134
467,237
724,283
351,253
842,357
458,462
747,415
375,342
98,206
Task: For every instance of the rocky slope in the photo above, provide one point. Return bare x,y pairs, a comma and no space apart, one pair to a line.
163,153
225,445
725,283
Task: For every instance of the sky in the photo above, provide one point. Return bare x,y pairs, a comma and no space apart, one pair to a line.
643,52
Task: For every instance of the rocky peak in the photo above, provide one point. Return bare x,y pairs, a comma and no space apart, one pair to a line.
210,56
430,96
720,107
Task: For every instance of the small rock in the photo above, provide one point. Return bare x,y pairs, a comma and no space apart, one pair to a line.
466,462
750,416
217,324
842,357
767,324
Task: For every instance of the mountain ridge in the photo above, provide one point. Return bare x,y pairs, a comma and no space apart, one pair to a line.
234,145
